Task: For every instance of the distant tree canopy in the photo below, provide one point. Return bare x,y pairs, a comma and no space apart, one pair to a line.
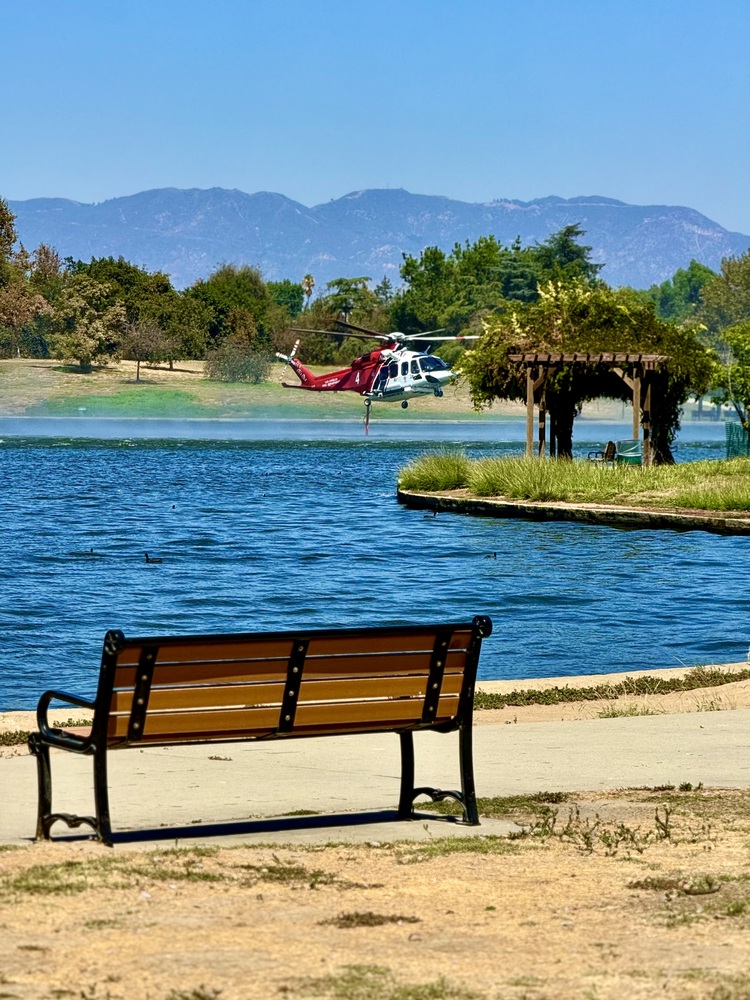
725,312
680,297
455,291
288,294
584,317
726,295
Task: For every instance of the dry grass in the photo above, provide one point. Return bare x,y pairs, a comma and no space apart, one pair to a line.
636,893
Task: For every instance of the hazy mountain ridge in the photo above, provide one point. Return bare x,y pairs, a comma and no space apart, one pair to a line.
187,233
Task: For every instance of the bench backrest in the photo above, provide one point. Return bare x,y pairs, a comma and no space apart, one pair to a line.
305,683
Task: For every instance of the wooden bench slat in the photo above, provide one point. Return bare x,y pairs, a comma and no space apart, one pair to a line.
347,689
320,666
220,649
249,720
370,711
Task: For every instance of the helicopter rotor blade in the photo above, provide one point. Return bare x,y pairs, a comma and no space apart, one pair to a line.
342,333
422,336
362,329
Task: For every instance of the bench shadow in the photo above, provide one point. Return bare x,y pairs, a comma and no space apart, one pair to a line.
275,824
269,825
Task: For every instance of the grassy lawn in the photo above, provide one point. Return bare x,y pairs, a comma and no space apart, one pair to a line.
719,485
32,387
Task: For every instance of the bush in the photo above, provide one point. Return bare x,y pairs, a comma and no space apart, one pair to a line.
237,363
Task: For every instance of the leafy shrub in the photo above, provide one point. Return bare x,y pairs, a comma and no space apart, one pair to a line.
237,363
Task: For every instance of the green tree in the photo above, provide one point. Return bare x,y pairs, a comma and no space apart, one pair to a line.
680,297
20,303
733,382
8,234
348,295
579,316
455,291
287,294
235,297
726,296
86,328
384,290
150,301
562,258
142,342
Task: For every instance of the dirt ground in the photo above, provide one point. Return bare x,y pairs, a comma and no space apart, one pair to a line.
637,894
629,894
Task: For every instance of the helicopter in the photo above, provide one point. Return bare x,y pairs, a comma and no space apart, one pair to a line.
391,373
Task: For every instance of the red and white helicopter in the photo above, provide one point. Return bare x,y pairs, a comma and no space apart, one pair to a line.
389,374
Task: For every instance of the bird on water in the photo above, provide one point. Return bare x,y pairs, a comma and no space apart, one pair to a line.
149,559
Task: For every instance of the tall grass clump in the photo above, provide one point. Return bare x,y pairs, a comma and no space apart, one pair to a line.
436,470
548,479
708,485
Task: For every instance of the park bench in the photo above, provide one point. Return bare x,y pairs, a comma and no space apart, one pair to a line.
171,690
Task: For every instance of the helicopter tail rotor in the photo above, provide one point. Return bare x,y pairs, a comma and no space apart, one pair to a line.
288,358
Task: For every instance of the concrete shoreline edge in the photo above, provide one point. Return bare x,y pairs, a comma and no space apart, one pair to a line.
721,523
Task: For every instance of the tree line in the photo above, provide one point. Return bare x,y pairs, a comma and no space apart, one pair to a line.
546,297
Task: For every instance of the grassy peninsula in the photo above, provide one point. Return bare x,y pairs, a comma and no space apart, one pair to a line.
714,485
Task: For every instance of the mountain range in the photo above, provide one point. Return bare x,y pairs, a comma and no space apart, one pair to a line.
189,233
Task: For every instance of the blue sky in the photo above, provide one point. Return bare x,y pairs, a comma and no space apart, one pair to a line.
647,101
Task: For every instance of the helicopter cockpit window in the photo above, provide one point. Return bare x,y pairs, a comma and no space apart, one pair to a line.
415,368
433,364
393,369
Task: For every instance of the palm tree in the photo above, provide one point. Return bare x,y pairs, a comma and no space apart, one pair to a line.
308,283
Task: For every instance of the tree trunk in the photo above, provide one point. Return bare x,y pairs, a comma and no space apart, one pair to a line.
563,413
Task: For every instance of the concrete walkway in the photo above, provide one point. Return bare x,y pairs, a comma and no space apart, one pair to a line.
238,791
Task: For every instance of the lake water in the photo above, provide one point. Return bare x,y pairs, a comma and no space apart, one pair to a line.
305,531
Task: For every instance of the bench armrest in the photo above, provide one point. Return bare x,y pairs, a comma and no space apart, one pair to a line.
55,736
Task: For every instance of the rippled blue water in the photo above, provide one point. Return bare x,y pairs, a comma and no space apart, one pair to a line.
257,535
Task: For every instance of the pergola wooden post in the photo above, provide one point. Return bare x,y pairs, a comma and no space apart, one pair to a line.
635,370
535,394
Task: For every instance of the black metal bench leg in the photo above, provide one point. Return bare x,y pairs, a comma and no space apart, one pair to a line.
406,798
44,780
468,790
101,797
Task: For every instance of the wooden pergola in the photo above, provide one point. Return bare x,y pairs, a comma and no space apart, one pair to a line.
635,370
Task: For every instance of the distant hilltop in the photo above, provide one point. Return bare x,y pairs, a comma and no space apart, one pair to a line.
189,233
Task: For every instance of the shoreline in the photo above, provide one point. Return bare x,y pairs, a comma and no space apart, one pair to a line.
605,515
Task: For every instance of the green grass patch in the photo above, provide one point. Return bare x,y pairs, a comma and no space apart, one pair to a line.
413,853
374,982
17,737
626,711
698,677
708,485
130,401
499,806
